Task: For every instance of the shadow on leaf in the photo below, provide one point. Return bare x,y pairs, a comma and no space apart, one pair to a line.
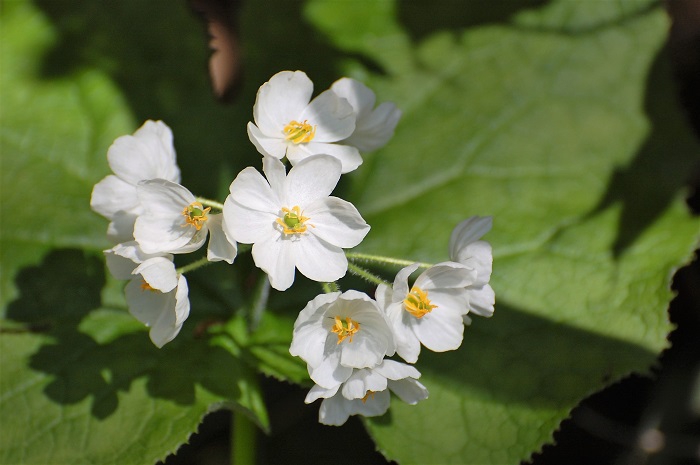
520,358
59,295
662,167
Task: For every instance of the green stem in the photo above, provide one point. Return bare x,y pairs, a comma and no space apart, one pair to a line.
193,266
369,258
366,275
211,203
243,441
330,287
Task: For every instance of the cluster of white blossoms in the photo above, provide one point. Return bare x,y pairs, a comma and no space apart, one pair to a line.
294,223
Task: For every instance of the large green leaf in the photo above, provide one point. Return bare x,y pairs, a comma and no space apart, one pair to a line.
561,123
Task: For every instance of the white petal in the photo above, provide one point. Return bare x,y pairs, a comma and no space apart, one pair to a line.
119,266
159,273
440,331
167,234
361,381
112,195
481,300
409,390
360,96
162,197
244,225
275,147
375,130
317,392
337,222
220,248
348,155
394,370
401,288
169,324
277,257
121,228
320,261
332,116
407,343
251,190
468,231
148,154
276,175
330,372
280,100
334,411
376,404
311,179
445,275
478,256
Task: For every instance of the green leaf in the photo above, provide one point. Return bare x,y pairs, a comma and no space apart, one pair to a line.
561,122
53,144
83,384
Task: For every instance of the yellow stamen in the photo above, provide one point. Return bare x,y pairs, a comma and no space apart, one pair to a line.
417,303
345,329
367,396
146,287
298,133
195,214
293,222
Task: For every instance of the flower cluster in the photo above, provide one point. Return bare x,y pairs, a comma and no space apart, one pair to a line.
292,222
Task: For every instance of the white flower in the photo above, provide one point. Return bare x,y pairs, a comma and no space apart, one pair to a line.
373,126
430,312
147,154
156,294
172,220
291,220
366,392
287,124
337,332
467,249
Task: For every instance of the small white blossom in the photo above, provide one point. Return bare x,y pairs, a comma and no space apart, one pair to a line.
292,221
147,154
429,312
288,124
467,248
366,392
156,294
337,332
172,220
373,126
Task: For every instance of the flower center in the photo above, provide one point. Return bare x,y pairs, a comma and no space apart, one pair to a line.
417,303
293,222
195,214
345,329
298,133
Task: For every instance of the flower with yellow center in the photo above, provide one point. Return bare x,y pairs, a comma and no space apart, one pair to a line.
430,312
292,220
156,294
173,221
287,123
336,333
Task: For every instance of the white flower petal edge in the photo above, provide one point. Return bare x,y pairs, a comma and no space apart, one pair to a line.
429,312
147,154
172,220
292,221
220,247
366,392
285,120
156,295
337,332
374,127
467,248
